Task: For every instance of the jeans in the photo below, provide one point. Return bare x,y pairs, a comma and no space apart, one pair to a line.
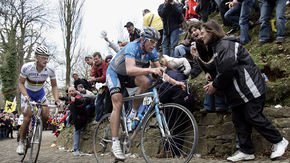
169,42
99,106
76,139
266,13
246,7
215,103
233,15
103,105
180,51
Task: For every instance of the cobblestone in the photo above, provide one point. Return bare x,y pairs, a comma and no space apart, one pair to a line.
50,154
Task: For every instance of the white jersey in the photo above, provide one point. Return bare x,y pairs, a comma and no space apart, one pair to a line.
35,80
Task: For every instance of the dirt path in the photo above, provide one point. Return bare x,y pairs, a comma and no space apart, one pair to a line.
50,154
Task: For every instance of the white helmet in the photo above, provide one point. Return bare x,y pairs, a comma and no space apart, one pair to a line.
42,50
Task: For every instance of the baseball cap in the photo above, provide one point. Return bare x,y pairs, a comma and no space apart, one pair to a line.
129,24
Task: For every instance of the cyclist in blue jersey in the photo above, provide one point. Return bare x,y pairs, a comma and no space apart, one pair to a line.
131,67
32,78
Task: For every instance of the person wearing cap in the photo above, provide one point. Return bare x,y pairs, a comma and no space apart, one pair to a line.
134,33
131,68
31,83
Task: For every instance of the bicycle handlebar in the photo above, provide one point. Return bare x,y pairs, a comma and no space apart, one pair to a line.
158,81
41,104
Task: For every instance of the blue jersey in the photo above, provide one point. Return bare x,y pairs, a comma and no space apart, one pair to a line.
132,50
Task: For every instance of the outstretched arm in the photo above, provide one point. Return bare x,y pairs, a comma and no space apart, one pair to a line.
55,92
168,78
133,70
22,87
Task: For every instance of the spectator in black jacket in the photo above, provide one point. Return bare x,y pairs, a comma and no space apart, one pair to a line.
9,124
172,17
134,33
202,57
242,82
84,82
79,114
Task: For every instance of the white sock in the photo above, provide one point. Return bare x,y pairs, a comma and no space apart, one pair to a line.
115,140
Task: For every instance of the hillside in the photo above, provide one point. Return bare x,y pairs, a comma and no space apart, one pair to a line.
273,60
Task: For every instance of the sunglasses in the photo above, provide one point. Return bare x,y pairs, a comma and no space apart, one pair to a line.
44,57
153,42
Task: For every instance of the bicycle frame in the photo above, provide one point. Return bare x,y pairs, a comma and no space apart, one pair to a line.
165,122
35,120
154,104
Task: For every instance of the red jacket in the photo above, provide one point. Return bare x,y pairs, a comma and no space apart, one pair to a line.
100,72
190,12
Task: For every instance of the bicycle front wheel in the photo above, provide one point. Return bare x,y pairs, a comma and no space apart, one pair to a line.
180,139
35,141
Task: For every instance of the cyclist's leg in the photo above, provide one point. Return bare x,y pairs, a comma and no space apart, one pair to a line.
115,115
116,96
45,115
26,111
143,83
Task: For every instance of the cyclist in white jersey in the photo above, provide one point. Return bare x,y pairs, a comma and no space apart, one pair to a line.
32,78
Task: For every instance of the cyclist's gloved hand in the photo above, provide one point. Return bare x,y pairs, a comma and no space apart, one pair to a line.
157,71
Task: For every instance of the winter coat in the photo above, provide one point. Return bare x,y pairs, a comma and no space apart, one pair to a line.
237,74
172,17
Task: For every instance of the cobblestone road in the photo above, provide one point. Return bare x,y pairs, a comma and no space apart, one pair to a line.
50,154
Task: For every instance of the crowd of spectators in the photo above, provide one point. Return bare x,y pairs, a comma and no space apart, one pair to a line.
8,123
181,56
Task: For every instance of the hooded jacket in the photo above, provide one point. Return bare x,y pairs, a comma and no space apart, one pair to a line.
171,15
237,74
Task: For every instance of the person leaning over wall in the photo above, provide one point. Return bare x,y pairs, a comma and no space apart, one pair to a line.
241,80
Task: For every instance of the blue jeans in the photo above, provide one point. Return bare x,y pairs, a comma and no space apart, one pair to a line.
180,51
233,15
246,7
99,106
76,139
266,13
215,103
170,42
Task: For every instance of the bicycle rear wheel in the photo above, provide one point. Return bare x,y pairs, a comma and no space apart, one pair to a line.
181,134
35,141
103,139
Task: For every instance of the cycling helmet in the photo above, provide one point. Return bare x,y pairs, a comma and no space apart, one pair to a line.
150,33
42,50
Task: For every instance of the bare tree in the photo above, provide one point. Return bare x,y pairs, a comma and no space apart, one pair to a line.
70,16
21,26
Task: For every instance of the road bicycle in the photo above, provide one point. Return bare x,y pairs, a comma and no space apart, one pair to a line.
167,131
33,135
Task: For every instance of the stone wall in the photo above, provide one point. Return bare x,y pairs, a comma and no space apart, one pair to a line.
216,133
